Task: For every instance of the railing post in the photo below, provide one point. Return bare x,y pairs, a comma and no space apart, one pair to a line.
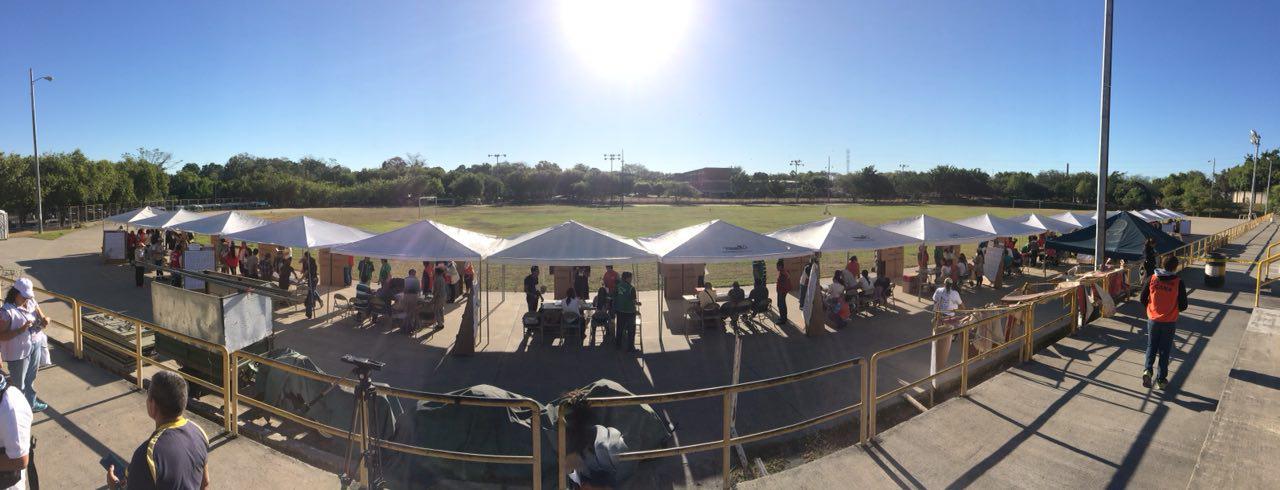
137,350
228,413
234,397
872,399
1027,330
77,329
536,416
562,477
725,451
964,361
862,393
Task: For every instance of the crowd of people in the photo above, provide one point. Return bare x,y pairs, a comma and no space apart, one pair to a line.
439,284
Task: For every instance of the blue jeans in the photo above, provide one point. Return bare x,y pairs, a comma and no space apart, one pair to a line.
1159,343
22,372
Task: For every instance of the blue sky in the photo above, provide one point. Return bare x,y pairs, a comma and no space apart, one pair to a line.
1000,85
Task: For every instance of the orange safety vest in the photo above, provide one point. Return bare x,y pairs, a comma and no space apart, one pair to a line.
1162,299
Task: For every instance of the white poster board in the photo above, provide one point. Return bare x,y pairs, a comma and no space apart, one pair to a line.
991,264
197,259
113,245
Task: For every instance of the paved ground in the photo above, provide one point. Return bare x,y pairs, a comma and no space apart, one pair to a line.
93,412
1076,416
671,359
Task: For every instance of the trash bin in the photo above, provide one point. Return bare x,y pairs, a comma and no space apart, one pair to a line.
1215,270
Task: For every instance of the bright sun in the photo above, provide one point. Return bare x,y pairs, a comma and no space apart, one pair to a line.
626,39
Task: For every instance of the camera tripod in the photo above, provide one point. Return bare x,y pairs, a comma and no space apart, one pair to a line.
368,464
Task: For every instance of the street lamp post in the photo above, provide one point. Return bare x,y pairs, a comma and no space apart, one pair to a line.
495,157
1256,139
795,165
1104,140
35,147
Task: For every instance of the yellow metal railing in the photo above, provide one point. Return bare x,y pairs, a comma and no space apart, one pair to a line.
727,394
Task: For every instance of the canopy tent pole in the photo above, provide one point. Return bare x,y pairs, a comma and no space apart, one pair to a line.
502,283
661,299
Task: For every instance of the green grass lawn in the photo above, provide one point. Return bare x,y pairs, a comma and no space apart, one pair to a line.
52,234
635,221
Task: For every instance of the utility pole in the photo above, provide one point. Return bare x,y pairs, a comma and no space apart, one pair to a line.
829,183
1104,139
846,161
1068,169
795,170
1214,162
495,157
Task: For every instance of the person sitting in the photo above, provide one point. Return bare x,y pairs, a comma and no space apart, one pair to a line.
707,297
572,308
736,304
944,272
363,302
603,304
759,298
882,288
864,288
266,267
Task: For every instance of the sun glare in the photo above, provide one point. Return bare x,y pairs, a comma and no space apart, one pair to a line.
626,39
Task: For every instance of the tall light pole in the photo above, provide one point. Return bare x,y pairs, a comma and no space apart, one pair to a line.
795,169
35,147
1253,181
496,156
1104,139
613,157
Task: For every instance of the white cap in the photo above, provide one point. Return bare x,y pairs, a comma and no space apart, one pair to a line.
25,288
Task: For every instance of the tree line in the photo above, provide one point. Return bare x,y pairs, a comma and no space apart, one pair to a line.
72,179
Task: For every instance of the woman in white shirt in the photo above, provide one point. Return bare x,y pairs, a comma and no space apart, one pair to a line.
572,307
24,348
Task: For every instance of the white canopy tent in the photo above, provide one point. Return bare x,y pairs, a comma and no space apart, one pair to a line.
712,242
1080,220
718,241
838,234
934,231
1045,222
999,226
128,217
301,232
1146,216
427,241
1162,214
168,219
221,223
424,240
1174,213
569,244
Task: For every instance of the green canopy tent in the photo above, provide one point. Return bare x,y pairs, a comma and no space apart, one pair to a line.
1126,235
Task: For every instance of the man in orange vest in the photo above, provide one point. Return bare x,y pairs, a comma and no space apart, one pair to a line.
1164,296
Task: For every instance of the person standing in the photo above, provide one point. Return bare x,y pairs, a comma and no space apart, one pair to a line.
24,346
531,289
610,278
624,305
139,258
946,300
15,431
783,288
1149,258
176,455
384,273
365,270
249,266
1164,296
439,295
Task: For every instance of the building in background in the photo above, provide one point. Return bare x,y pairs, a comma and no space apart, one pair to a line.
709,181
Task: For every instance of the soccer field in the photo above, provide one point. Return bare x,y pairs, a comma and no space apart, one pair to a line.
634,221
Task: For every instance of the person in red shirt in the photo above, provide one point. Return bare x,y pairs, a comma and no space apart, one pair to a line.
783,288
1164,295
610,278
852,266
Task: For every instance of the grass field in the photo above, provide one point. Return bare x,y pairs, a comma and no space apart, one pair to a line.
632,222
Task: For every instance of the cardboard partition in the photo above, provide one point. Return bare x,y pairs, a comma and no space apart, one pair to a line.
681,279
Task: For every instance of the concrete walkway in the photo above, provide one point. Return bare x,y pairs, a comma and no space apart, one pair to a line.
93,412
1077,415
